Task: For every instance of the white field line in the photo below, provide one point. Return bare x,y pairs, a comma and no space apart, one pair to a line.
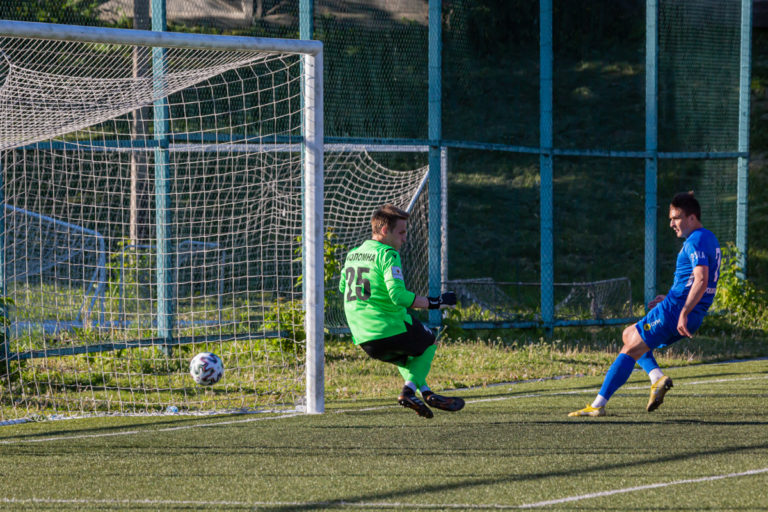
389,505
643,488
151,430
341,411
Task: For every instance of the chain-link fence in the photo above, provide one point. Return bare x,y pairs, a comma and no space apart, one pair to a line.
377,91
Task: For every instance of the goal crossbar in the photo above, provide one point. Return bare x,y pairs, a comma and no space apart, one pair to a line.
54,32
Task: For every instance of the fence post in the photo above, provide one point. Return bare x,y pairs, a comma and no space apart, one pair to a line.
163,204
546,166
435,134
444,215
306,19
651,146
742,199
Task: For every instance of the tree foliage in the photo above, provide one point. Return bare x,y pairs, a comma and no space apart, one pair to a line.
76,12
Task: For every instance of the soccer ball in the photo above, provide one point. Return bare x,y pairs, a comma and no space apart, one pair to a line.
206,368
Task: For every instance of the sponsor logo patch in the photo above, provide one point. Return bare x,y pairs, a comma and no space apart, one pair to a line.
397,273
649,326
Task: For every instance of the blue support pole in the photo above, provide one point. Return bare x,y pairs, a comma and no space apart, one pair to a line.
306,32
163,215
306,19
546,165
651,146
435,135
742,199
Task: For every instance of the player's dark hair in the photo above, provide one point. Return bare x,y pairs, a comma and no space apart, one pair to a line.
387,215
686,202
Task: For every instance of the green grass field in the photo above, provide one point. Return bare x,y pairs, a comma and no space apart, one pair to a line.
513,446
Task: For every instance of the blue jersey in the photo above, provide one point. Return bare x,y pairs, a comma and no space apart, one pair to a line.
659,327
700,248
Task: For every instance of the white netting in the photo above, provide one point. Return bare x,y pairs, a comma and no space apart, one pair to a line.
84,177
355,185
82,199
486,300
54,88
42,252
596,300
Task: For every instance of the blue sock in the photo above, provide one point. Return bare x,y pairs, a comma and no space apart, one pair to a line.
617,375
648,362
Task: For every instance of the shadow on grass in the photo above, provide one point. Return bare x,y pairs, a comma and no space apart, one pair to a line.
421,489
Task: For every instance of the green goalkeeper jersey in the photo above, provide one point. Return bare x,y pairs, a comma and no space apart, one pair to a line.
375,297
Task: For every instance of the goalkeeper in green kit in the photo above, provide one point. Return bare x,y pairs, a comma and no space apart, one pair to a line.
375,302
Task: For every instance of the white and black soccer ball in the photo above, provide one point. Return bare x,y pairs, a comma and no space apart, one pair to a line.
206,368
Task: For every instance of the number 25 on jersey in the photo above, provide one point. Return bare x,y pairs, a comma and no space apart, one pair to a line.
362,286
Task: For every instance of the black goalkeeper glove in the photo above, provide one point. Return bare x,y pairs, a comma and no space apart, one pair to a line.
446,300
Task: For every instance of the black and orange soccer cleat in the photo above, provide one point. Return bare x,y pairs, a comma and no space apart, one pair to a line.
411,401
445,403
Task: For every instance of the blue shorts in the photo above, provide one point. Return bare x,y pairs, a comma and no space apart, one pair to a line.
659,327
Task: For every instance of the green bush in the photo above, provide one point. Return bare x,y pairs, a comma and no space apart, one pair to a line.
286,317
738,301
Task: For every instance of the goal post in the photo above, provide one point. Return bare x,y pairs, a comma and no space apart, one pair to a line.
239,221
314,233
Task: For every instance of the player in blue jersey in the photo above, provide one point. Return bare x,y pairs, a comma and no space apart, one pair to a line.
673,316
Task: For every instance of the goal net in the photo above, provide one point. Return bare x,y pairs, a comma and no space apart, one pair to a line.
355,185
158,202
487,301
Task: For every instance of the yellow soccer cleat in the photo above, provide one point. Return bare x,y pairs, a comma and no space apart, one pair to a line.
589,411
658,391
